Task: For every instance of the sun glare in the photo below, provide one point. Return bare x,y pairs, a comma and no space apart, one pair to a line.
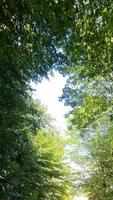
81,198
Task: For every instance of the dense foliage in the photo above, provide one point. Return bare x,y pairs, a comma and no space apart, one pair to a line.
32,158
75,37
89,91
30,33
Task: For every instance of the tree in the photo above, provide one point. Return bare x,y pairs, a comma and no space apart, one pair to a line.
89,43
89,91
32,159
54,180
91,129
31,32
100,182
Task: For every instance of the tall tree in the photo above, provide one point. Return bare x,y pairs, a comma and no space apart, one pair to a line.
89,91
30,33
31,159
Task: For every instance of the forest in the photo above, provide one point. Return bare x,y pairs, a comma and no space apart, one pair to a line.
75,38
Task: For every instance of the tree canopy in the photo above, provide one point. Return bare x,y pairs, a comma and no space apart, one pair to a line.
76,38
30,33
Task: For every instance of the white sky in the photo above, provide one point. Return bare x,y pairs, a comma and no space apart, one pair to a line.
48,92
81,198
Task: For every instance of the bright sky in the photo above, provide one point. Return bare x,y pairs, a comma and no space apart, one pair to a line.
81,198
48,92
